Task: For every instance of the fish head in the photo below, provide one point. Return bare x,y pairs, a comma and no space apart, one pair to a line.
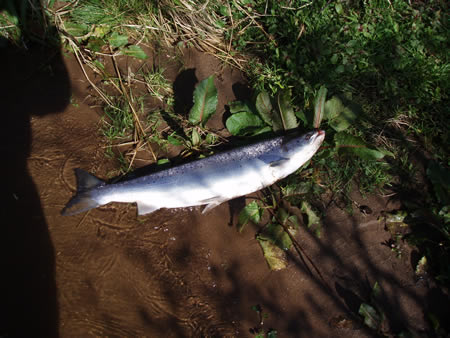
301,149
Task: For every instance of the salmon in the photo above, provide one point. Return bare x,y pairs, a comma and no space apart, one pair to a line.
209,181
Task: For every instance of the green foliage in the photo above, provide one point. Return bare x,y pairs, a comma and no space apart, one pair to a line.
288,118
205,101
263,115
251,212
319,106
244,123
134,51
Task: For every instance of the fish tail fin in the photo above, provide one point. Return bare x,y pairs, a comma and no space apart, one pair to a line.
82,201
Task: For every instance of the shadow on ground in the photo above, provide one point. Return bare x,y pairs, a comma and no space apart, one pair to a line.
34,83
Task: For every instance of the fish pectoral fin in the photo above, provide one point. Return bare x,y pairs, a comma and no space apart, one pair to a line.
279,163
210,206
211,200
212,203
144,208
273,160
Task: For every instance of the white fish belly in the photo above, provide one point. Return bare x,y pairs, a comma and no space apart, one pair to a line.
202,187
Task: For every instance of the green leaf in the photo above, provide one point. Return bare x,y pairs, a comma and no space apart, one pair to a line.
101,31
243,123
251,212
205,101
301,115
275,257
264,107
333,107
371,317
210,139
275,233
163,161
95,44
116,40
263,130
356,145
319,106
343,120
240,106
174,139
287,114
313,219
134,51
272,333
195,137
75,29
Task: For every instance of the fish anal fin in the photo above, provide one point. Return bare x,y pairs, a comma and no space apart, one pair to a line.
144,208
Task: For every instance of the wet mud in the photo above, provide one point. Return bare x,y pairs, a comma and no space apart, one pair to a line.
173,273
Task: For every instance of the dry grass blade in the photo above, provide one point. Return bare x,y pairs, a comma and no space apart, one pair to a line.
139,130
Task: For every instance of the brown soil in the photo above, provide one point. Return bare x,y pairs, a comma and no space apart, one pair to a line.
174,272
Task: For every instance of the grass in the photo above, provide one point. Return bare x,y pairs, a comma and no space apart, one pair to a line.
387,60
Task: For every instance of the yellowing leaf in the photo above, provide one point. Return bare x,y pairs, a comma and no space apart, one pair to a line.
275,257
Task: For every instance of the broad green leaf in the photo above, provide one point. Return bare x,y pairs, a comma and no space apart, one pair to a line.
301,115
116,40
275,233
263,130
134,51
356,145
243,123
195,137
343,120
287,114
338,8
319,104
275,257
264,107
251,212
173,139
371,317
240,106
333,107
205,101
313,219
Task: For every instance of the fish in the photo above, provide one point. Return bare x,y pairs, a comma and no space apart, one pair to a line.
210,181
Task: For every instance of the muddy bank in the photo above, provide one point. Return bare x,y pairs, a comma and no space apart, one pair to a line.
174,272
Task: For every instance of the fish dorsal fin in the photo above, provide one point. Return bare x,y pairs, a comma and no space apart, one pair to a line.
86,181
